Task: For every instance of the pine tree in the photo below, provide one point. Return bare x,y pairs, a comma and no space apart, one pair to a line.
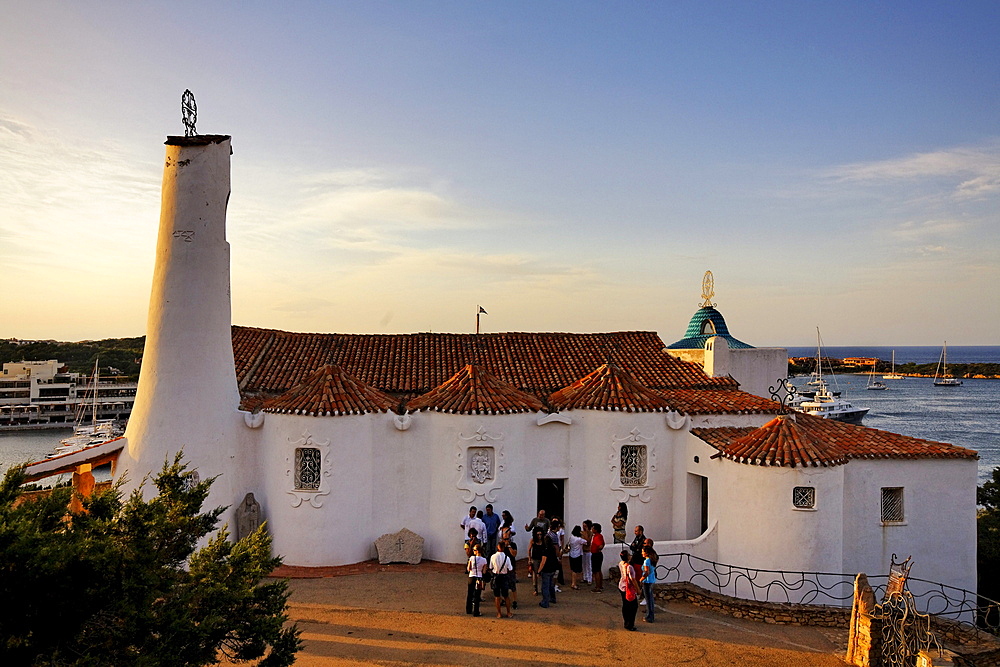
124,582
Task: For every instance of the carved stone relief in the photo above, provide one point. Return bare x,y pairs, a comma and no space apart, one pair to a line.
480,464
248,517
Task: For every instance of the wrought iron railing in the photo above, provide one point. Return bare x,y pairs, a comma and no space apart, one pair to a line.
824,588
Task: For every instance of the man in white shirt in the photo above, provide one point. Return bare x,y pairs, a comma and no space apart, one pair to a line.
477,523
467,519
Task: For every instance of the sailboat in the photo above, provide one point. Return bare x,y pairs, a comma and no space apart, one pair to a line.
97,431
872,382
893,375
825,404
943,379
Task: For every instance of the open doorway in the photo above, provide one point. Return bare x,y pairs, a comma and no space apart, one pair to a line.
552,497
697,505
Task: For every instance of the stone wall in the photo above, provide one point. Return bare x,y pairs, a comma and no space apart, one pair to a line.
764,612
971,647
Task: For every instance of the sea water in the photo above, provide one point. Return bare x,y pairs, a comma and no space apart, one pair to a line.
968,415
18,447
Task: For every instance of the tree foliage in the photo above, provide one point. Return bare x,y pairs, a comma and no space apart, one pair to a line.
124,582
988,527
121,353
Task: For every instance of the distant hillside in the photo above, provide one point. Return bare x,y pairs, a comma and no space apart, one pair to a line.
122,354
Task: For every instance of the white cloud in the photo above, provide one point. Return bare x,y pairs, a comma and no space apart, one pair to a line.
395,207
966,172
912,230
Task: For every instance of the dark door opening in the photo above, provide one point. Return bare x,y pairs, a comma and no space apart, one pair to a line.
704,505
551,497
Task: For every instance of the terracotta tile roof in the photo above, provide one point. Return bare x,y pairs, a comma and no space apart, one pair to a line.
826,440
781,442
269,362
608,388
475,391
331,391
717,402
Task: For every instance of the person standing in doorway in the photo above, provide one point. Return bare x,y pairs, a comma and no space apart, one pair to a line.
538,522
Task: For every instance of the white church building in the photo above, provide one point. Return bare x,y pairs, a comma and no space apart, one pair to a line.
343,438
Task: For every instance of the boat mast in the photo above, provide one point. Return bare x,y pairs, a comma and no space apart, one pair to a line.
97,379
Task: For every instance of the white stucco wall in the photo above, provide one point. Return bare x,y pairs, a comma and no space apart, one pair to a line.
380,479
939,531
758,525
756,369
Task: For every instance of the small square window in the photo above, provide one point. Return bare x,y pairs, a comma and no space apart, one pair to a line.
804,497
892,504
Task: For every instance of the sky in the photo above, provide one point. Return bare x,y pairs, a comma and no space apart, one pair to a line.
568,166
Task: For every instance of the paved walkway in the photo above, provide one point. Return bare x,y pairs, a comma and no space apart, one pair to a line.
368,614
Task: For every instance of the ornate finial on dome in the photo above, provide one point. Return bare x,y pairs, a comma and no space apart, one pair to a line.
189,113
707,290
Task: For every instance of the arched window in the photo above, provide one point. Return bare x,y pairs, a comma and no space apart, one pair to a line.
708,327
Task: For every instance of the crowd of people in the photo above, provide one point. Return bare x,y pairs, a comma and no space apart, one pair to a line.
492,557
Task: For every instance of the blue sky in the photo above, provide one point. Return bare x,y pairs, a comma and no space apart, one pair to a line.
569,166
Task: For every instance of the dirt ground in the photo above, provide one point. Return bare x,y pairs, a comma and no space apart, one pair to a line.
415,615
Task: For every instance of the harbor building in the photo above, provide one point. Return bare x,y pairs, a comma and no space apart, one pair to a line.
37,395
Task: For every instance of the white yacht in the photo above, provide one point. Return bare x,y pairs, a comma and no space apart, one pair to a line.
826,405
893,375
942,378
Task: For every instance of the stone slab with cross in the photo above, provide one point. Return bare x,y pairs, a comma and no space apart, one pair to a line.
402,547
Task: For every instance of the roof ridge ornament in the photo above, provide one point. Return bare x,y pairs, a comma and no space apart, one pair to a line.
784,393
707,290
189,113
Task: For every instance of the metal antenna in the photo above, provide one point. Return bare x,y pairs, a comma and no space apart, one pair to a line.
189,113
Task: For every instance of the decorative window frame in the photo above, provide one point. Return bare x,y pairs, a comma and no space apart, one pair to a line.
804,498
623,492
314,497
896,496
464,453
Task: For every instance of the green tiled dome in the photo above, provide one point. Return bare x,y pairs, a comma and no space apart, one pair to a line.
705,323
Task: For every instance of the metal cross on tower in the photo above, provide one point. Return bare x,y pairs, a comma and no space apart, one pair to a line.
707,290
189,113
